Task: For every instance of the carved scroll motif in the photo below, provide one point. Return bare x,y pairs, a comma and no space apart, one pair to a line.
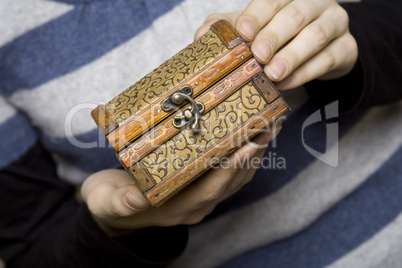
163,79
185,147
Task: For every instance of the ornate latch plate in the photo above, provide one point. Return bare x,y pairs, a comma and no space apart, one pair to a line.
189,117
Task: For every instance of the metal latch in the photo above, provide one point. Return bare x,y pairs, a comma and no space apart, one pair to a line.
189,116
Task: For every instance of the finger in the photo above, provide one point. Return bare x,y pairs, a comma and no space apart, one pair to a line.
112,203
230,17
199,214
252,19
213,183
249,166
245,175
336,60
286,24
112,194
205,191
312,39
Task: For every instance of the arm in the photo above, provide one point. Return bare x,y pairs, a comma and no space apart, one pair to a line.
43,226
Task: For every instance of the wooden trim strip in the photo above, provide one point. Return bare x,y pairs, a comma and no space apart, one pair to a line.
265,86
226,33
103,119
210,99
141,177
145,119
168,187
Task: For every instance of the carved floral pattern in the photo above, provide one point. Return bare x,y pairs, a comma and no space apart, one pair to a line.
163,79
218,123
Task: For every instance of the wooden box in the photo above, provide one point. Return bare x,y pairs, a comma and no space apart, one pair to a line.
197,107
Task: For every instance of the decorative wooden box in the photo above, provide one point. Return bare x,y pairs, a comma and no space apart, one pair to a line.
197,107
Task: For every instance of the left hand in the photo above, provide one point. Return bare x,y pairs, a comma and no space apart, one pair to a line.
119,207
298,40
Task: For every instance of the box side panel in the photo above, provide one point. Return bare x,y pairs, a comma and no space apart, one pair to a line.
183,148
209,99
168,186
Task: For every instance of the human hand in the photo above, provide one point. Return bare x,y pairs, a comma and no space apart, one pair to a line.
120,207
298,40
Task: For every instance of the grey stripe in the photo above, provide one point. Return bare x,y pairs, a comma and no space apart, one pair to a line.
101,80
383,250
18,17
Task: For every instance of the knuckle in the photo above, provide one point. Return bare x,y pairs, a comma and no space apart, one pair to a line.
342,15
214,17
194,219
291,59
117,208
350,45
171,221
171,213
328,61
251,17
273,6
214,192
296,15
271,38
319,34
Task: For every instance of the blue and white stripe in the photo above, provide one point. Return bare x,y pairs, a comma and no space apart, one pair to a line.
84,53
60,58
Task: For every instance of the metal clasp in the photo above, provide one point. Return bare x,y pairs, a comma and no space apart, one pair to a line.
189,116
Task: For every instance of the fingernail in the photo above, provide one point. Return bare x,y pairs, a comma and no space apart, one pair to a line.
247,29
276,68
262,49
134,201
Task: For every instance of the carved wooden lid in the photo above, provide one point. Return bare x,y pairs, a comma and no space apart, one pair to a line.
199,65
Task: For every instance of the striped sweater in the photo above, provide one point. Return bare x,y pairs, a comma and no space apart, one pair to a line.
59,59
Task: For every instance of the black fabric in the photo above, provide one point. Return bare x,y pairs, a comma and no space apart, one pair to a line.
376,26
41,225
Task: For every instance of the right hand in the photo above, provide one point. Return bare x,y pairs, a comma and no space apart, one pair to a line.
120,207
298,41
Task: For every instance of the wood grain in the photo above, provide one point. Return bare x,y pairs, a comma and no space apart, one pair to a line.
265,86
227,33
141,177
103,119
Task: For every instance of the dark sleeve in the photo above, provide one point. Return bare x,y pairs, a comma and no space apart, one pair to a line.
376,78
41,225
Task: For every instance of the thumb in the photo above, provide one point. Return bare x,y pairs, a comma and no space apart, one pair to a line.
201,30
111,194
125,201
108,202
